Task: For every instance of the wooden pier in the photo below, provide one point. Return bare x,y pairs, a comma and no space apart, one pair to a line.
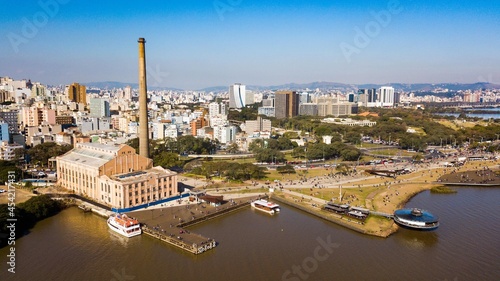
380,214
169,224
227,210
204,245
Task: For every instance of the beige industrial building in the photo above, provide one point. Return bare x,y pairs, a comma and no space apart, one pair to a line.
114,175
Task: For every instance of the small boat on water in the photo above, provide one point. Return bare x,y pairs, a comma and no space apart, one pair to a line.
122,224
265,206
416,219
84,208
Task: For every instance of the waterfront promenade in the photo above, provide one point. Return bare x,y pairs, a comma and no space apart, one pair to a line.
379,194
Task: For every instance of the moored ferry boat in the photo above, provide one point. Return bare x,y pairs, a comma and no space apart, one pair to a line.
265,206
124,225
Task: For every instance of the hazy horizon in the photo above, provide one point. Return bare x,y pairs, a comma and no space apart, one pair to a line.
200,44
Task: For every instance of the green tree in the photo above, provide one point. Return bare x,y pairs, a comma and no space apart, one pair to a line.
9,168
233,148
167,159
255,145
40,154
269,155
287,169
353,137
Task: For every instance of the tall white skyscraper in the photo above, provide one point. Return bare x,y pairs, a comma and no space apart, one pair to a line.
237,96
386,96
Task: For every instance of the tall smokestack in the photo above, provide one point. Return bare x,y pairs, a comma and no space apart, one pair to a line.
143,102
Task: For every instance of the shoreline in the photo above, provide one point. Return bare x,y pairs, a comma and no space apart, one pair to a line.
324,216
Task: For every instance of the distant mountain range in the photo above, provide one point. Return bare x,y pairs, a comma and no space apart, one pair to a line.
317,85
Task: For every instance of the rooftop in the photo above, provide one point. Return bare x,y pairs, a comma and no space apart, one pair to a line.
138,175
91,154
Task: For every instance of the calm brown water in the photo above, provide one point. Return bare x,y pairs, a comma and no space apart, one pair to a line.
255,246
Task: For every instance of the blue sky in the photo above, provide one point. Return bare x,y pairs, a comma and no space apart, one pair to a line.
196,44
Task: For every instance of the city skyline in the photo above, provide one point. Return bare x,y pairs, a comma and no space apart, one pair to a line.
198,44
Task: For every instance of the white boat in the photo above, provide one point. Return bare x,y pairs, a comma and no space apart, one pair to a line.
265,206
124,225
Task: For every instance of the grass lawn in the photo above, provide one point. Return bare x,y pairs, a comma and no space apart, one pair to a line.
457,124
352,196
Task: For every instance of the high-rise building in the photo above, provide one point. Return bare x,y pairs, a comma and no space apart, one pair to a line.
237,96
99,107
268,102
362,97
286,104
386,96
225,134
34,116
5,96
11,118
217,109
258,125
127,93
4,131
308,109
77,93
305,97
372,95
266,110
330,106
197,124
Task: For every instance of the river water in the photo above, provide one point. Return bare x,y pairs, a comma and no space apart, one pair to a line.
289,246
489,113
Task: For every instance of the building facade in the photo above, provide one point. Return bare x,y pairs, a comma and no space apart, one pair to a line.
114,175
237,96
387,98
7,151
258,125
77,93
4,132
99,107
286,104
